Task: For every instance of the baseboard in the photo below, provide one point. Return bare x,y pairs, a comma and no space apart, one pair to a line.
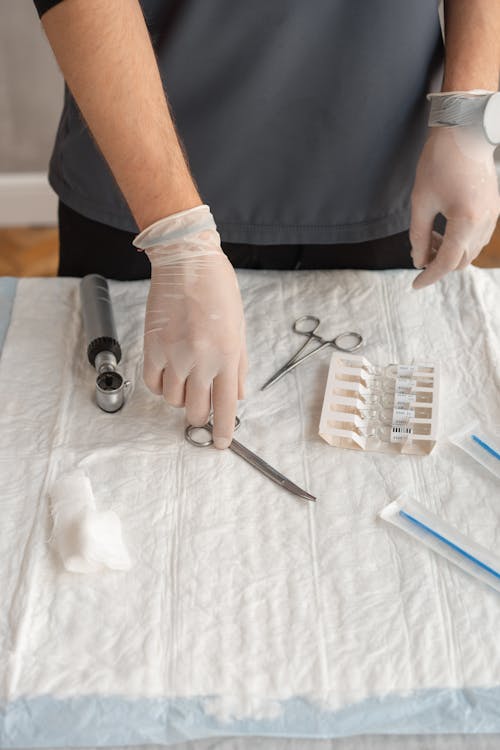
26,199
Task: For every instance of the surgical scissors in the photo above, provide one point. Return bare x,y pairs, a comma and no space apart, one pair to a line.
307,325
251,458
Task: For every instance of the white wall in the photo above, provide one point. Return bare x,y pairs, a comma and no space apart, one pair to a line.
31,91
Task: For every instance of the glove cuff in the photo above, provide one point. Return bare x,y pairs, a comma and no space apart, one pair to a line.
175,227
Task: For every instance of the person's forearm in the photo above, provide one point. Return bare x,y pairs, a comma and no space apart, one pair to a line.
472,42
105,54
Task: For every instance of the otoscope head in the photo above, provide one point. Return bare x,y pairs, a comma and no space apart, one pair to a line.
110,387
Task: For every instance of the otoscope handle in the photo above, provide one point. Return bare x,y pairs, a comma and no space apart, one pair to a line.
98,319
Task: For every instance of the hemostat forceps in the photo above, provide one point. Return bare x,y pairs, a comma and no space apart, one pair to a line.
251,458
307,325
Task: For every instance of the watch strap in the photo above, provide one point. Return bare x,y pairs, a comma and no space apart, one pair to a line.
457,109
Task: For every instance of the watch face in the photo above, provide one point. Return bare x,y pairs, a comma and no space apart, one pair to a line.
491,119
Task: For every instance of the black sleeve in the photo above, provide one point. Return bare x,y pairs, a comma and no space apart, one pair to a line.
43,5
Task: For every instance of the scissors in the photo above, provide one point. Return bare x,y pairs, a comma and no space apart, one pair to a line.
247,455
307,325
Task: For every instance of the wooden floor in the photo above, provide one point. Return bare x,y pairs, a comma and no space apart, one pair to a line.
33,252
28,252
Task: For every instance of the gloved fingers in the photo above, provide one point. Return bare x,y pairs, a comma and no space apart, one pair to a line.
465,261
481,238
242,371
224,401
422,221
152,375
198,393
487,232
467,257
453,252
436,241
174,387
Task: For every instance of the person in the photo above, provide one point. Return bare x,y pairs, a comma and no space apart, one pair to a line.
305,125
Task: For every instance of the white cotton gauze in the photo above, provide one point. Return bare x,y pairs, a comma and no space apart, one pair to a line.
86,539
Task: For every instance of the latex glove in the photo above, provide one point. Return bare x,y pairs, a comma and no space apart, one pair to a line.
194,335
456,176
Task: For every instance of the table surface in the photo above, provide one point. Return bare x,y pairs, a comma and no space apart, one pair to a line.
348,615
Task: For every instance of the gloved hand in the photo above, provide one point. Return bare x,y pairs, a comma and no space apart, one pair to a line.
194,336
456,176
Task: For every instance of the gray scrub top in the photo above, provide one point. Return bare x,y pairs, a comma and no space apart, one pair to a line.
302,120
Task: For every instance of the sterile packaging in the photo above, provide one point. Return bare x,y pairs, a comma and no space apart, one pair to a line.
392,409
482,443
444,539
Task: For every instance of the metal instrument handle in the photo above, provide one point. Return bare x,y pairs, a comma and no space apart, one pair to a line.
208,427
306,331
98,320
357,336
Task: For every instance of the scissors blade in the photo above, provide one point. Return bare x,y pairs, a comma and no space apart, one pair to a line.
268,471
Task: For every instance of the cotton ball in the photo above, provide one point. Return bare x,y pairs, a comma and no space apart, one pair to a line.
86,539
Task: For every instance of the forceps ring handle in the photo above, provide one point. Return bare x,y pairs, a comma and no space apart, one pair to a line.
348,334
188,433
295,358
297,327
309,332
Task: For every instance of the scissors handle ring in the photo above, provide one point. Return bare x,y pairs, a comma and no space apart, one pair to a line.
208,427
348,334
190,430
309,319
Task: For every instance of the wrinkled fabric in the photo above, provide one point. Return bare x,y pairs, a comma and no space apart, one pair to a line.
247,612
373,742
425,742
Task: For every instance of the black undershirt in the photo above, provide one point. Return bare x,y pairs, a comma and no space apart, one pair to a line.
87,246
43,6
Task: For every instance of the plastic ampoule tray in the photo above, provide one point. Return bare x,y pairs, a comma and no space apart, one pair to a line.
391,408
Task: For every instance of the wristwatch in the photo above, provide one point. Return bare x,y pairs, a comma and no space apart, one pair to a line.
467,108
